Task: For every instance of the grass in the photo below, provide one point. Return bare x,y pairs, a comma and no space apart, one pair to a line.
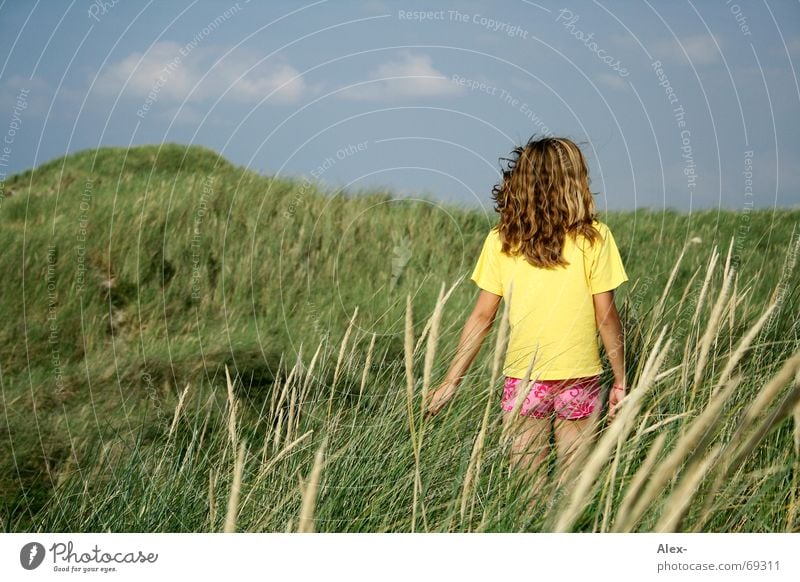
189,346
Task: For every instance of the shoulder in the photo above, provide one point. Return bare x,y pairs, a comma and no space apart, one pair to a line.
601,227
493,242
493,237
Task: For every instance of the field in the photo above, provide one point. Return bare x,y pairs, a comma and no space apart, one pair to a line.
191,346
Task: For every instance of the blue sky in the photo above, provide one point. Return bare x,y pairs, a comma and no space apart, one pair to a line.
679,104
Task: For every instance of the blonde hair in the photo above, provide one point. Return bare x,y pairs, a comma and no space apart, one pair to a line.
543,196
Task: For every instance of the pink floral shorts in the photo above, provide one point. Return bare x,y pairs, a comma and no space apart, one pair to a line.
570,399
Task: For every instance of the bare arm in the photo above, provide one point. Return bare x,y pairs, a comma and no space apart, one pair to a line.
611,333
478,324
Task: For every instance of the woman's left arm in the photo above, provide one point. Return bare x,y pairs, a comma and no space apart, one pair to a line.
477,326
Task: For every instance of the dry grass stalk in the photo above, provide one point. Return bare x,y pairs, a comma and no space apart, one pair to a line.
267,466
730,460
276,439
514,419
430,352
212,499
786,408
677,504
427,327
409,361
342,349
309,492
611,481
687,288
659,307
208,406
408,345
502,337
787,270
689,352
796,415
793,501
635,487
584,474
276,387
233,498
476,457
745,448
178,409
232,433
711,329
294,400
290,418
351,357
669,467
704,289
768,393
310,373
733,303
367,364
287,383
475,460
743,346
662,422
668,372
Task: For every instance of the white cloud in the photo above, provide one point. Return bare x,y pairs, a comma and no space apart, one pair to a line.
611,81
377,6
30,96
171,76
185,114
409,76
700,48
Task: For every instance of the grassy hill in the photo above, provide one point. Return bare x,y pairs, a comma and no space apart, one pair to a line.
133,277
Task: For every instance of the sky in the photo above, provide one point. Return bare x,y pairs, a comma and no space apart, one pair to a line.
682,104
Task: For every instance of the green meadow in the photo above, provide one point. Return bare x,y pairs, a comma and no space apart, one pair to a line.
188,345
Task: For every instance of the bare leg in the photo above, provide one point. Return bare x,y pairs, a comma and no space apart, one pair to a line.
571,437
530,446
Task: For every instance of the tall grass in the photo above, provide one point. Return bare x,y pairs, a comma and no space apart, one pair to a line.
287,394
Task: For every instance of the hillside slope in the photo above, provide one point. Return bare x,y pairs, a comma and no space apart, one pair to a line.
128,274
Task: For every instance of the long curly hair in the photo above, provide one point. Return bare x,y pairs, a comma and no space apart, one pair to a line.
544,196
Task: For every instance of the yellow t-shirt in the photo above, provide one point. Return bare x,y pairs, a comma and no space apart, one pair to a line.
552,312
